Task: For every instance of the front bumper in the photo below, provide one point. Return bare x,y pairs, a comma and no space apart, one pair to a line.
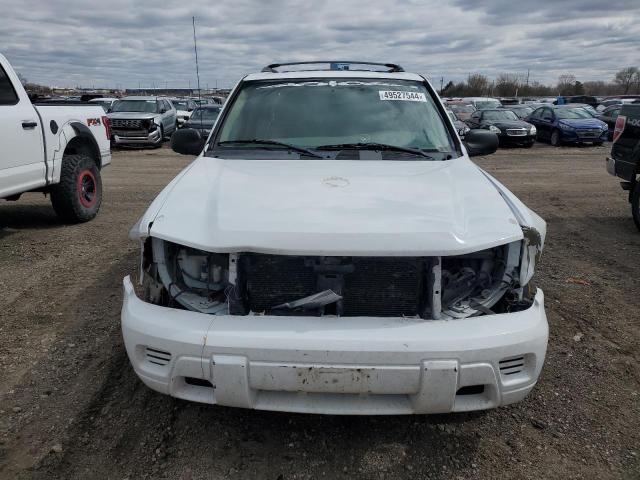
574,137
330,365
137,138
516,139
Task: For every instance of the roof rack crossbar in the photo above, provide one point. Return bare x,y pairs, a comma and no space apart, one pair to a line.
392,67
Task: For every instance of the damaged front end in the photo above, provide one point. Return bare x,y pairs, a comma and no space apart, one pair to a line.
431,288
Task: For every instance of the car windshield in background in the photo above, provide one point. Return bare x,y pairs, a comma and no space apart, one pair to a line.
180,105
205,114
462,108
330,113
142,106
487,105
569,113
499,115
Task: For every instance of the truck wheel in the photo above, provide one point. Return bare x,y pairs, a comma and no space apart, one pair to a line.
78,196
556,138
635,205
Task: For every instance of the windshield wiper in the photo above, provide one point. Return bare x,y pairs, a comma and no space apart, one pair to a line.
375,146
260,141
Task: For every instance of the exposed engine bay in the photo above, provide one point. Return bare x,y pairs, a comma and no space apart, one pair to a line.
431,288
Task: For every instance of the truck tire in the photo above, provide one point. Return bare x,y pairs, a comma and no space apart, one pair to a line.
556,138
635,205
78,196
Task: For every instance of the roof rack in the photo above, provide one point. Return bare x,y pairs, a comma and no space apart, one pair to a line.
335,65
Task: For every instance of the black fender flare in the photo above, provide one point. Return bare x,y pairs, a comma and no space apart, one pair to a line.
82,131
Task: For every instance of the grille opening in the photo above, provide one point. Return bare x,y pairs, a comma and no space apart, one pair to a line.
511,366
157,357
198,382
471,390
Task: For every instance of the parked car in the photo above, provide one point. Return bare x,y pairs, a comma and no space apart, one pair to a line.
203,118
624,161
504,123
183,107
142,121
562,124
521,111
461,110
609,116
57,149
483,103
104,102
333,249
584,99
459,125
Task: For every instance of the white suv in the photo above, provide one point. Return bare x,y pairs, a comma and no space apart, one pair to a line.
333,250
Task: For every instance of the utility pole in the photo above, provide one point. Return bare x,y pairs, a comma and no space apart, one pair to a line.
528,71
441,84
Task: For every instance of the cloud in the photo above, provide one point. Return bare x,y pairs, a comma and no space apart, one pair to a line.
126,43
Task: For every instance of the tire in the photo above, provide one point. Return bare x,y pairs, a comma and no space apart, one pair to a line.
556,138
635,205
78,196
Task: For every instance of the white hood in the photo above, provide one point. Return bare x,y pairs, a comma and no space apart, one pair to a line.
321,207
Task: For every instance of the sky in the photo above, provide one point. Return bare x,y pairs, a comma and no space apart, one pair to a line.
130,43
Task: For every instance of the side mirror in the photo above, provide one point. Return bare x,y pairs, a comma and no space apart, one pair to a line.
547,119
480,142
163,110
187,141
190,109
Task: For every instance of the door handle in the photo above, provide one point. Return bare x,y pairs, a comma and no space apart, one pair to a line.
27,125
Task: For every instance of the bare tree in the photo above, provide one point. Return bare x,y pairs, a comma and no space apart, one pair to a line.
22,78
566,83
625,78
507,84
477,84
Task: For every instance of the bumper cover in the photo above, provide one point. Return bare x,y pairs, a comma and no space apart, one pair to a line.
152,138
348,365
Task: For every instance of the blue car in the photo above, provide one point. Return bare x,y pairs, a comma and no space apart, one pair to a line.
560,124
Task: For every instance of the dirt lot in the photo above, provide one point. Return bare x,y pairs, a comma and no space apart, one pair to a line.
72,408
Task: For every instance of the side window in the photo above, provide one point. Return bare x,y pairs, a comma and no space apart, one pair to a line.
168,105
614,113
8,95
547,113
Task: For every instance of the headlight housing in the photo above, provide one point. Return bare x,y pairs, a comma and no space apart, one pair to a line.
533,130
494,129
565,126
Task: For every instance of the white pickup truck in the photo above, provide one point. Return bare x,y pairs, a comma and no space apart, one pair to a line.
57,149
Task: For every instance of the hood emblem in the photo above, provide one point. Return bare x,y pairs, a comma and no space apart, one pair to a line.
335,181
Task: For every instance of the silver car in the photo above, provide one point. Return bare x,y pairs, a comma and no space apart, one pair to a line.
142,121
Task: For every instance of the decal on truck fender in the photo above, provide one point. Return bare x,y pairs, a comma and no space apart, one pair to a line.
93,122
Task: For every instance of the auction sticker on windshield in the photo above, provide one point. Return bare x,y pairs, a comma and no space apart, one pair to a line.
400,95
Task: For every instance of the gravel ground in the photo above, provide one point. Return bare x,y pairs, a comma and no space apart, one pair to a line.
72,408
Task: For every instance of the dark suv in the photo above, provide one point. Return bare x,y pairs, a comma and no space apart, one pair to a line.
624,161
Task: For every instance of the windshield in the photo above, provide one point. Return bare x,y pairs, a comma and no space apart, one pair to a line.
499,115
487,104
569,113
462,108
325,112
146,106
180,105
205,114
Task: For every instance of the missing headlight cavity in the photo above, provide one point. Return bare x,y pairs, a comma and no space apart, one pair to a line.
431,288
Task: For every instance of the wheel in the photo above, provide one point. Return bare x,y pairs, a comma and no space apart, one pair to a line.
635,205
78,196
556,138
